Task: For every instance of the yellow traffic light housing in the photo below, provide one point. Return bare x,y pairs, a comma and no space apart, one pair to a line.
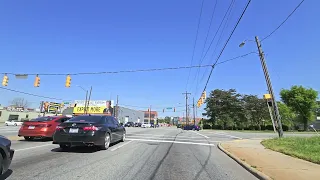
37,81
68,81
5,80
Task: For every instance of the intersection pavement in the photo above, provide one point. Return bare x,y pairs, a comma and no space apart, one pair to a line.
161,153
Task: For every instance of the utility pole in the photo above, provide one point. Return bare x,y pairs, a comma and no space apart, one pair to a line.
187,120
89,99
149,115
270,89
85,103
117,108
194,113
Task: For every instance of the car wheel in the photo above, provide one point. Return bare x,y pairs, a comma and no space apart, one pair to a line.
1,164
7,124
15,124
107,141
28,138
123,137
64,146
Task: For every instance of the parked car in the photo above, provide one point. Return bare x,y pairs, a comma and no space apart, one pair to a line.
13,123
42,127
179,126
137,124
145,125
6,154
89,130
129,124
192,127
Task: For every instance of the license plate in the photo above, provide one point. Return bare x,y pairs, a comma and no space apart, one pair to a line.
73,130
31,127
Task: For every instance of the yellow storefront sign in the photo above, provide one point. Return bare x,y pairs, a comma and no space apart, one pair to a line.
90,110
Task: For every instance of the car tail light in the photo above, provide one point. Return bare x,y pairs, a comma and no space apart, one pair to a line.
90,128
45,125
59,127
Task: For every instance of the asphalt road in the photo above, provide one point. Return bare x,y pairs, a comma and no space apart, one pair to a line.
162,153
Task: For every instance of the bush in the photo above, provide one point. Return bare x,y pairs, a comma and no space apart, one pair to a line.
206,126
285,128
269,127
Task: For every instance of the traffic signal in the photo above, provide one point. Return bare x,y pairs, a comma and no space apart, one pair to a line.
68,81
37,81
163,110
203,95
148,109
5,80
174,109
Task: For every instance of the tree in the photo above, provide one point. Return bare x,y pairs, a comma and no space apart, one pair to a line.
222,105
287,114
302,101
19,102
256,110
167,120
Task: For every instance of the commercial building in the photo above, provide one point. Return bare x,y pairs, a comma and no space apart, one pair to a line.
18,114
150,116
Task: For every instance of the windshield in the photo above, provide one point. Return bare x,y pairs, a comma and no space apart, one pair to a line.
41,119
85,119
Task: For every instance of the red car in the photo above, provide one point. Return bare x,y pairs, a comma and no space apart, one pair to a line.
42,127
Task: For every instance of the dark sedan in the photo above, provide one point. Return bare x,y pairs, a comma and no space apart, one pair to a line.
192,127
89,131
6,154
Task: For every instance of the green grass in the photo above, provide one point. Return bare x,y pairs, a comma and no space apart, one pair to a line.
262,131
307,148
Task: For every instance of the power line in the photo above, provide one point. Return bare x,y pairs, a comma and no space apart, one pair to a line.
225,45
110,72
30,94
228,13
283,21
195,42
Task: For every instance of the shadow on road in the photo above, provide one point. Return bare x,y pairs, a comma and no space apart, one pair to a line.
37,140
80,149
6,174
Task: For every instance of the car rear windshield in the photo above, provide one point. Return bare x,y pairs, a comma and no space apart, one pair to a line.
41,119
86,119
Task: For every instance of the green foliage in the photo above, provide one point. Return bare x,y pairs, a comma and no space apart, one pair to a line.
302,101
287,115
227,109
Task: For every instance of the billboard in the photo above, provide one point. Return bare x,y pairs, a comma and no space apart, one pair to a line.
94,107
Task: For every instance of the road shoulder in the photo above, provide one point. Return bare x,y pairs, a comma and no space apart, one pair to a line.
268,164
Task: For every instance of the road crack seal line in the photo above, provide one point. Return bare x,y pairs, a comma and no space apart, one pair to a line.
162,160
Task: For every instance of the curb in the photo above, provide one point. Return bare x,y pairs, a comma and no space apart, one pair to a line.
245,165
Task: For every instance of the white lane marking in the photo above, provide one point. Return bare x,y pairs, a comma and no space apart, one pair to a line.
32,147
201,135
118,147
175,142
152,135
227,135
163,136
171,138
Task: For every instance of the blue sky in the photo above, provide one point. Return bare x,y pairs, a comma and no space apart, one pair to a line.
81,36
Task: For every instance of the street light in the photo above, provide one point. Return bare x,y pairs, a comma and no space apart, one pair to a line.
85,103
269,85
244,42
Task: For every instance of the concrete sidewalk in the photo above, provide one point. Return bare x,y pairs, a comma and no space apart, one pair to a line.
268,164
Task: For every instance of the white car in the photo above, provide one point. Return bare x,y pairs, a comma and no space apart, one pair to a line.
145,125
13,123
